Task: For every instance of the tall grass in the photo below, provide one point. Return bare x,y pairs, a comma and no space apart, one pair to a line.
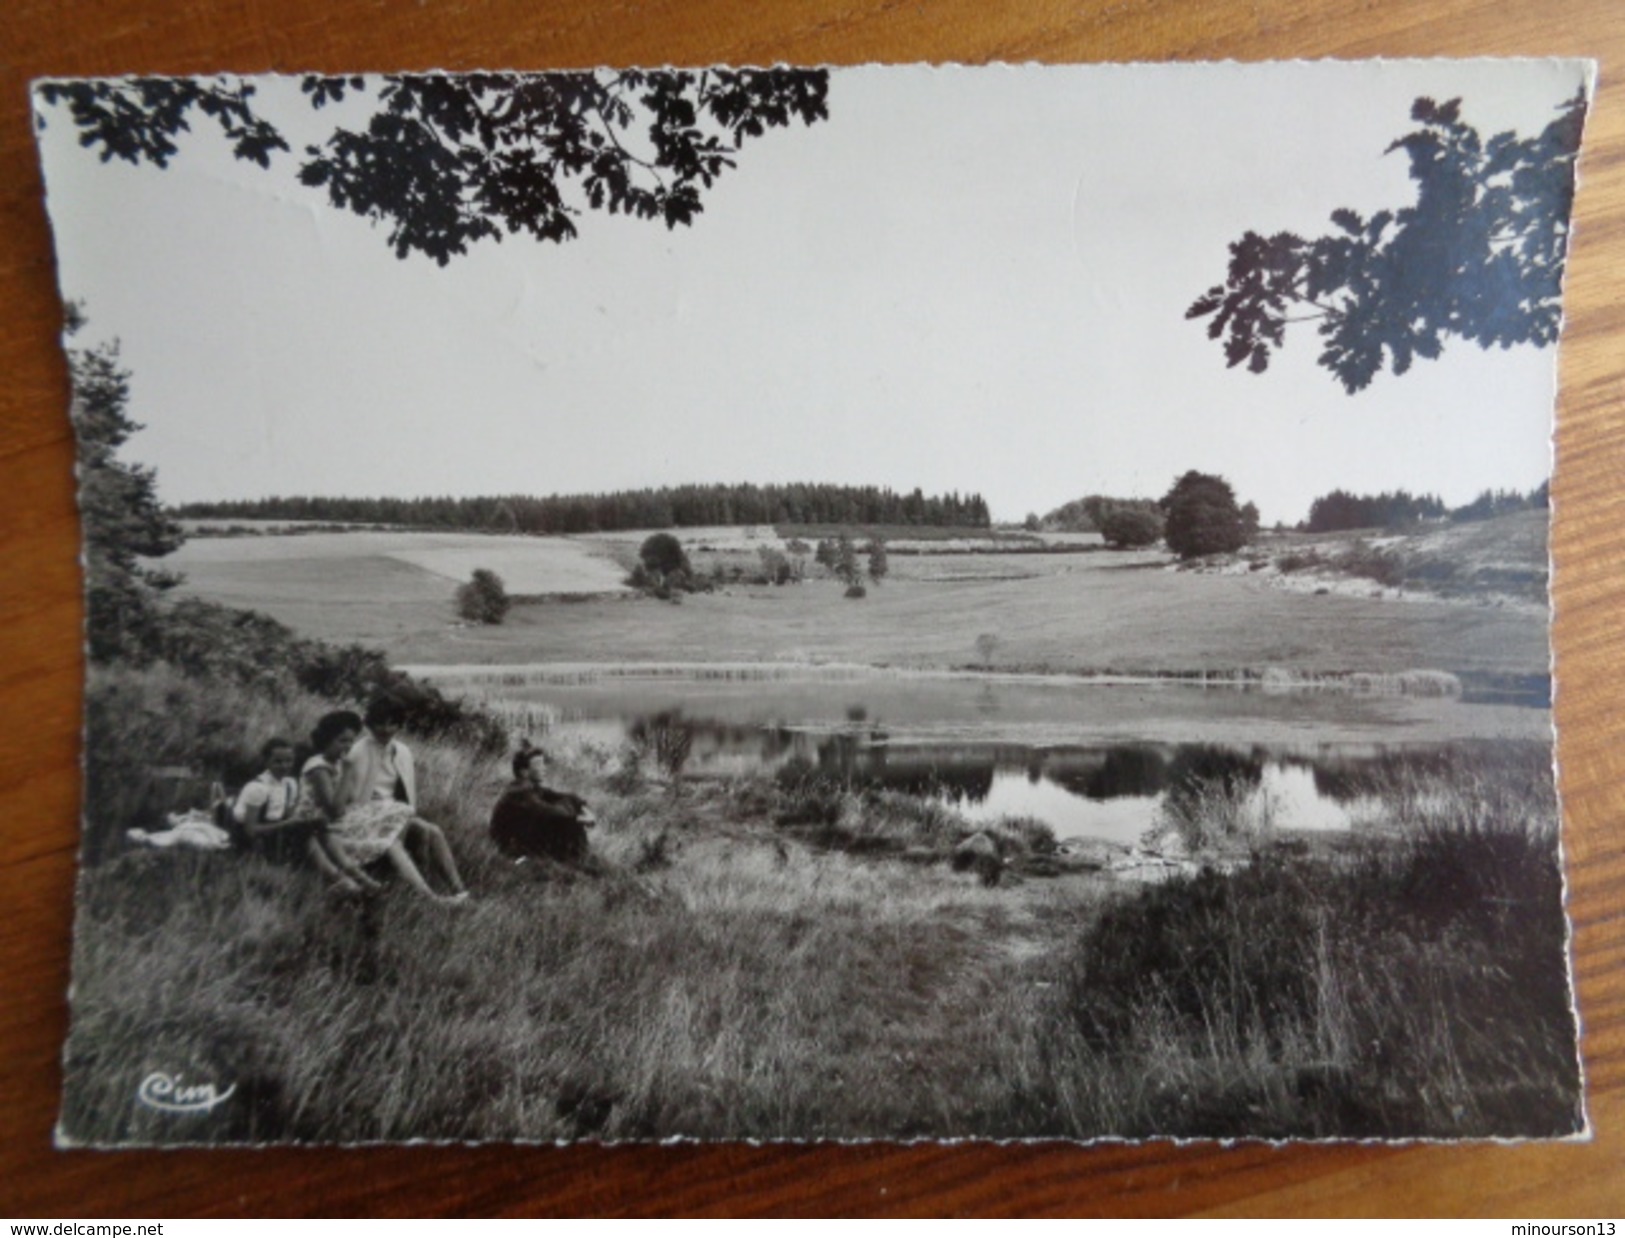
1417,985
752,960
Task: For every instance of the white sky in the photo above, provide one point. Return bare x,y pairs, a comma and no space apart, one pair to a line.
964,279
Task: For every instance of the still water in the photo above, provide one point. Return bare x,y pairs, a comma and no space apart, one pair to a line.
1067,755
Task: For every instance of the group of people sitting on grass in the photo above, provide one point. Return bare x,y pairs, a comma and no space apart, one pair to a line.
354,805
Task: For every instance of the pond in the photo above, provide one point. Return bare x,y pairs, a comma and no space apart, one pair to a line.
1091,761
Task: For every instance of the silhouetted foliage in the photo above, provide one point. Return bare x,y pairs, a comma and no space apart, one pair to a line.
668,738
1502,503
776,566
1088,514
1203,517
445,161
662,554
484,598
1479,256
1127,528
1249,521
878,565
845,565
1342,510
122,521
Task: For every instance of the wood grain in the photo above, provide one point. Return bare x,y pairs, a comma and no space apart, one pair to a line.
40,665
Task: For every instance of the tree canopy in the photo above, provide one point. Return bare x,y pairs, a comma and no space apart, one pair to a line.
444,161
1478,255
1203,517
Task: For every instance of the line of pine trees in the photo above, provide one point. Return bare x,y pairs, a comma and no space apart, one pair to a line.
663,508
1341,510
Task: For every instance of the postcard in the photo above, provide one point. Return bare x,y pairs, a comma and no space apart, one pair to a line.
818,604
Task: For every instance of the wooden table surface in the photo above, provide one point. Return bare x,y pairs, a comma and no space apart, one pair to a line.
40,663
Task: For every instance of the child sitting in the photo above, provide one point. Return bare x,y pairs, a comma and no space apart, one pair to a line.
273,817
263,809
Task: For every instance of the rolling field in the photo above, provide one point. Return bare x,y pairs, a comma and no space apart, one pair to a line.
1066,612
381,588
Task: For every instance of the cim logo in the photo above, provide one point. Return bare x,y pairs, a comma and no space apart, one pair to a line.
172,1094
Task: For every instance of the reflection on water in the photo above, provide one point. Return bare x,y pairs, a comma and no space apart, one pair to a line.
1032,750
1112,792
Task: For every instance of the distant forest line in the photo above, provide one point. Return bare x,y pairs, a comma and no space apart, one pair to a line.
664,508
800,505
1336,511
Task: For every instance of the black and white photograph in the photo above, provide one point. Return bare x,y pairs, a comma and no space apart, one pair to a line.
794,603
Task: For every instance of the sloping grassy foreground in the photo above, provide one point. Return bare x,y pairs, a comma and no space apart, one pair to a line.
796,960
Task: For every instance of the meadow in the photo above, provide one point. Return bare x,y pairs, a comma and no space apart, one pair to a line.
1062,612
797,958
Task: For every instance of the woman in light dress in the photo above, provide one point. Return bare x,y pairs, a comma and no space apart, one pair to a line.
362,780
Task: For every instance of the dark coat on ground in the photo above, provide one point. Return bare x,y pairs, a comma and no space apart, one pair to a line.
534,821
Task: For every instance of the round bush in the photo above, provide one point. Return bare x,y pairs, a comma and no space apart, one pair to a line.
1203,517
1129,528
662,553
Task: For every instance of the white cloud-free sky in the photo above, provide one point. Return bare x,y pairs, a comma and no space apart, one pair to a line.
964,279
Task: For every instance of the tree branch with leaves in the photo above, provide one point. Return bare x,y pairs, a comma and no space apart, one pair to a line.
1479,256
445,161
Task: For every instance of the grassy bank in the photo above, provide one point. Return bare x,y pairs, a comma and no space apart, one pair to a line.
798,958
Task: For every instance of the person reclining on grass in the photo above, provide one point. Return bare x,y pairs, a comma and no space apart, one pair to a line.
533,820
376,805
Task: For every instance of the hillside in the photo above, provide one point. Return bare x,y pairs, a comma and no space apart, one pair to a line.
1502,562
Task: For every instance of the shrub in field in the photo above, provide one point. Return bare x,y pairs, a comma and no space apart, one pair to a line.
806,796
668,739
1299,561
662,554
776,566
1373,564
663,570
878,566
1129,528
483,598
